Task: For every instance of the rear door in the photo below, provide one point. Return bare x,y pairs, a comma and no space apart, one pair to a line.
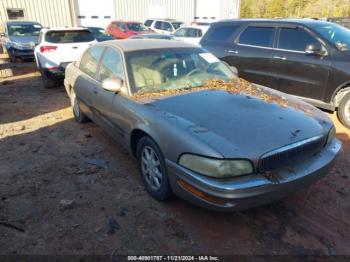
299,73
70,44
251,53
86,82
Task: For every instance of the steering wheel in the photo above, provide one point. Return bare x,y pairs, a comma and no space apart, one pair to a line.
192,72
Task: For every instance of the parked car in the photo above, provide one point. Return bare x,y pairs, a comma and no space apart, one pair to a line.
153,36
163,26
302,57
191,34
59,47
100,34
122,30
19,38
220,148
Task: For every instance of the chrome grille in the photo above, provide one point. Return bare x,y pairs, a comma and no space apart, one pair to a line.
294,152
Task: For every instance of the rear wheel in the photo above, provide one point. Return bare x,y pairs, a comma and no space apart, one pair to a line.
344,110
152,168
78,114
47,82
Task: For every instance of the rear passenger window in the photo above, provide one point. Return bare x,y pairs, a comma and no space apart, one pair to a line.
69,36
295,39
222,33
89,61
158,25
257,36
111,65
148,23
181,32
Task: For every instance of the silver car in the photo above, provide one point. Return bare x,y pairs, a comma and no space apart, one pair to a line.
195,129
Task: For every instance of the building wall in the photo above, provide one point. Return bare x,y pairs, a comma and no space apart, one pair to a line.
47,12
208,10
52,13
140,10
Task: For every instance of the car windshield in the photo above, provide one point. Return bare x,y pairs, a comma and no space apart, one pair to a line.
100,33
69,36
336,34
177,25
172,69
24,30
137,27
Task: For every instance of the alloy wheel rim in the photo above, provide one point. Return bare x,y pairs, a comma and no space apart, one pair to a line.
347,110
151,168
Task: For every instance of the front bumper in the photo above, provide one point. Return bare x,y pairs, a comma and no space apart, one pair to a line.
25,53
253,190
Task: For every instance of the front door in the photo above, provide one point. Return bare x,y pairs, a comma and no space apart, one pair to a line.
299,73
107,104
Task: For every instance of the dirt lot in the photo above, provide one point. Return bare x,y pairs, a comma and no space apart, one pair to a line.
54,199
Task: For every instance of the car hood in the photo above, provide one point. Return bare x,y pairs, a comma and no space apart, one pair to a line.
237,125
24,39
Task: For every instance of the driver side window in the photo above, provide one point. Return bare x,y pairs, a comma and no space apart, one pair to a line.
167,27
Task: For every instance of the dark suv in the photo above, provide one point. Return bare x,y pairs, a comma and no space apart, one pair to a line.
303,57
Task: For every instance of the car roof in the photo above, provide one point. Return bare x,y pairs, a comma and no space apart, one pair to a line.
95,27
300,21
129,45
64,29
165,20
11,22
202,27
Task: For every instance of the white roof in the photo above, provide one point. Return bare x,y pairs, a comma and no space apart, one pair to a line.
63,29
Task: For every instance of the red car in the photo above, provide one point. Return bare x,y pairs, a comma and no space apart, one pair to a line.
122,30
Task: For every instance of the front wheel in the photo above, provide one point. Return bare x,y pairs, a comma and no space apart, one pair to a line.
344,110
152,168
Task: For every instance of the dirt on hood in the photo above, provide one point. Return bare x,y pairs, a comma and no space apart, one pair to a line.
241,87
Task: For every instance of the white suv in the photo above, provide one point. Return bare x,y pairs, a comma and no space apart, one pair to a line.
59,47
163,26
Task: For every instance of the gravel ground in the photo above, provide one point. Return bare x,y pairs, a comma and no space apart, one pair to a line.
66,188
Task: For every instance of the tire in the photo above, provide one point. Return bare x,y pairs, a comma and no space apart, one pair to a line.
344,110
12,57
47,82
79,116
156,180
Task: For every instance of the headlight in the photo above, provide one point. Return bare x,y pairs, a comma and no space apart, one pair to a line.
216,167
331,134
19,46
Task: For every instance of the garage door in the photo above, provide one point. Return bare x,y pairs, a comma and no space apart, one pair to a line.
94,12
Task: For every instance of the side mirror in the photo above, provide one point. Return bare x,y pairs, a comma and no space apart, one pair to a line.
113,85
314,49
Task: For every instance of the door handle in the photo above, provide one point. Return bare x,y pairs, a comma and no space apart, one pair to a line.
232,51
279,57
